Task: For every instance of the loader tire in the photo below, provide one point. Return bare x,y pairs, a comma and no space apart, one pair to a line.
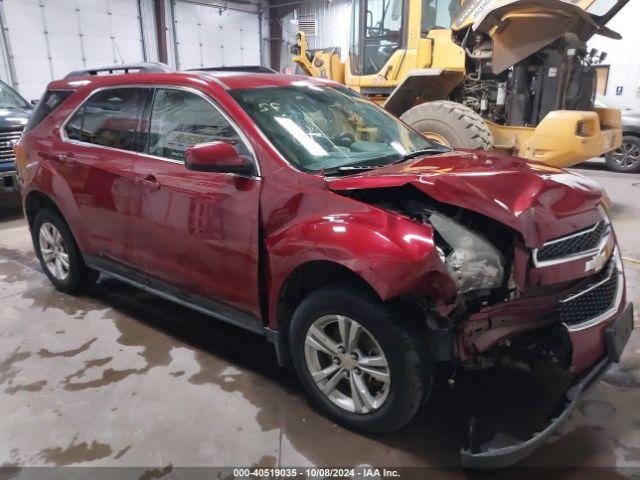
451,123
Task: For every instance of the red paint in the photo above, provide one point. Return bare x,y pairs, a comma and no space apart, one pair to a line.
215,156
538,201
202,231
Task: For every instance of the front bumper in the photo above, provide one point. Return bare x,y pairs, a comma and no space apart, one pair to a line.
500,453
8,178
9,182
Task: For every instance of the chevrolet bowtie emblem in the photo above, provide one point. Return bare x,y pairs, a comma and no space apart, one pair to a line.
600,258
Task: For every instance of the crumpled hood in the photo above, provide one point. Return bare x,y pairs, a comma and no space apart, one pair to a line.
539,201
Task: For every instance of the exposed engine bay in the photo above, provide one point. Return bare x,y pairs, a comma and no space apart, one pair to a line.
557,77
494,320
477,250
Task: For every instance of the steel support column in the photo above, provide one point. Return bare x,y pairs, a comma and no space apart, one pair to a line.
7,53
161,30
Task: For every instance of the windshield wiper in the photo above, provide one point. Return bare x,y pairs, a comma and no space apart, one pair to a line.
351,169
423,151
346,169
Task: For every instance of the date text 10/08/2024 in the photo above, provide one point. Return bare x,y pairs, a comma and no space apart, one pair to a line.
316,472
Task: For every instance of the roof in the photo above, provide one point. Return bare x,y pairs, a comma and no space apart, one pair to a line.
228,80
241,80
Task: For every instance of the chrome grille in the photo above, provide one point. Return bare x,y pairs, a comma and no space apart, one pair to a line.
596,299
577,243
7,139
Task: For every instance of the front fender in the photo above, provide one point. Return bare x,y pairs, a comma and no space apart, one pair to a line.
395,255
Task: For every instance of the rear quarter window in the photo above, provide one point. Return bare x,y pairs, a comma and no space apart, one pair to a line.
111,118
51,100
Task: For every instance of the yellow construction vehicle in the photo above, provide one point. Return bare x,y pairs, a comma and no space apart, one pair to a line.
514,75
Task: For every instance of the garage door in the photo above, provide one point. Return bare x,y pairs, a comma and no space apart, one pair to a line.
49,38
208,36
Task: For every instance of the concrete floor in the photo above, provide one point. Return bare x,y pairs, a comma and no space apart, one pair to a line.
121,378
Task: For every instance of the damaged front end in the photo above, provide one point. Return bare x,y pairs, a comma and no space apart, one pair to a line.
529,296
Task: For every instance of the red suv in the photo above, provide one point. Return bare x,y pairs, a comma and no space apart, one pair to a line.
299,210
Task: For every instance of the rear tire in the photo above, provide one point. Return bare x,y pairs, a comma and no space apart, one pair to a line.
460,126
59,254
388,403
626,159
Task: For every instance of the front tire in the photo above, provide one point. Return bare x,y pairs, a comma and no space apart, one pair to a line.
59,255
450,123
361,366
625,159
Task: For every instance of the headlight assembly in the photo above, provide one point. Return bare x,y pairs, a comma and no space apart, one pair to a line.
473,262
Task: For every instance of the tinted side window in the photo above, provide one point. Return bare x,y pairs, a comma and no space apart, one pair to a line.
74,125
49,102
180,119
111,118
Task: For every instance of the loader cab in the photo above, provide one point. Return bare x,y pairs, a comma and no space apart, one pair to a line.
378,29
438,14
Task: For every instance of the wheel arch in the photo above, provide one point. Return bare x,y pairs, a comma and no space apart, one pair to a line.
302,281
35,201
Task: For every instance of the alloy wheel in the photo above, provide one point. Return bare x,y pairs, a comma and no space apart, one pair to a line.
54,251
627,156
347,364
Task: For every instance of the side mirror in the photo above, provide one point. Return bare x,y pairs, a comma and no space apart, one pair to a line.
35,101
217,157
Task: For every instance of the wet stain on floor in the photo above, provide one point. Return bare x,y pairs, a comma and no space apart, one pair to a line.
7,370
75,453
44,353
108,376
122,452
31,387
156,473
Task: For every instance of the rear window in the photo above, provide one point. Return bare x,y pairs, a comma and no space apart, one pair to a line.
49,102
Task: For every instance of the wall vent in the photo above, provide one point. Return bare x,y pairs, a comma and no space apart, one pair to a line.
308,26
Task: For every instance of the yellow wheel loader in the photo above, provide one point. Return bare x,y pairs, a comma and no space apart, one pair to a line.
514,75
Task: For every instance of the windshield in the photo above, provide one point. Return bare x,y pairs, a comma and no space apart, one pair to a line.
9,98
324,127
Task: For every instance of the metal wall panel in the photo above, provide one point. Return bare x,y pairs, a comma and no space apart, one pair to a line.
49,38
623,58
332,21
212,36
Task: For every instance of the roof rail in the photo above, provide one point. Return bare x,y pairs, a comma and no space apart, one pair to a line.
143,67
239,68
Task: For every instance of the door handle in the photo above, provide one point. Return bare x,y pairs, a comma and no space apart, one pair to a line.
65,159
149,183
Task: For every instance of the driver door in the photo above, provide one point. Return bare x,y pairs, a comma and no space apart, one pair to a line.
196,232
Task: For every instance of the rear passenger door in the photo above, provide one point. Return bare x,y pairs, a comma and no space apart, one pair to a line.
196,231
101,141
